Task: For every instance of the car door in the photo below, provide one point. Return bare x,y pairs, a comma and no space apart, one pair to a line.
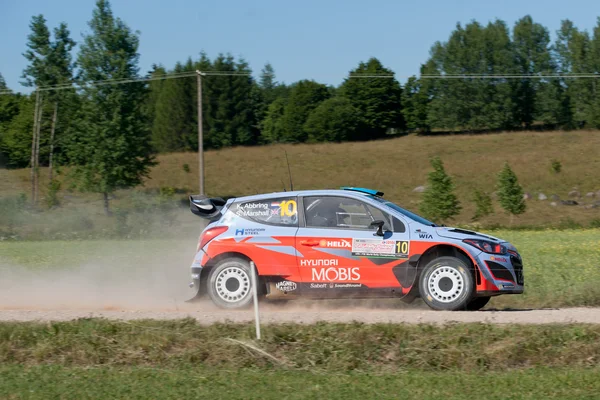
338,249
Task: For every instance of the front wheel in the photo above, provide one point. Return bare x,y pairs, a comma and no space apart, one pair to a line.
446,283
229,283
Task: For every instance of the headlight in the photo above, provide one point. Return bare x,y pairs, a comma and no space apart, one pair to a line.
488,247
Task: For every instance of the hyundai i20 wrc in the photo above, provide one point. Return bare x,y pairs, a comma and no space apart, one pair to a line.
347,243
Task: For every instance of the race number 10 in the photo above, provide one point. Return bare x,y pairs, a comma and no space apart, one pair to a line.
289,208
401,247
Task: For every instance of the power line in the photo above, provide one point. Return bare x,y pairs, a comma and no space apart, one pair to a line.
510,76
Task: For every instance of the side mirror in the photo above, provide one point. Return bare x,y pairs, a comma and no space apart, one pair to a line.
379,224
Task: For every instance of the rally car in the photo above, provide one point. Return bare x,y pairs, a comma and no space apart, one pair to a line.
346,243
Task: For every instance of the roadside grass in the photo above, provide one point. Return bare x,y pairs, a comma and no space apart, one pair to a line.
561,268
395,166
44,382
323,348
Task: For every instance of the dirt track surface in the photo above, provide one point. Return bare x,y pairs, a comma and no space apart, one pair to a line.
207,314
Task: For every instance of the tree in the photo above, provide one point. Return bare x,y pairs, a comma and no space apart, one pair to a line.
414,104
174,109
16,125
473,104
535,99
229,112
305,96
110,147
439,202
379,100
572,50
510,193
334,120
3,83
483,205
271,126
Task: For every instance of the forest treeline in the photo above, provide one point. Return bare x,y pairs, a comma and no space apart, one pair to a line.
110,130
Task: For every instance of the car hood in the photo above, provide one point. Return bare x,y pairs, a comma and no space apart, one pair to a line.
457,233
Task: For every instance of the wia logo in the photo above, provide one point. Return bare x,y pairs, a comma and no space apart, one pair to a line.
424,235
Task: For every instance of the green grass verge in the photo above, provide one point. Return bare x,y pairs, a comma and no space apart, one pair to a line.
53,382
319,348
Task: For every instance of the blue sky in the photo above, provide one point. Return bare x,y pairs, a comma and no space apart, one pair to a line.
308,39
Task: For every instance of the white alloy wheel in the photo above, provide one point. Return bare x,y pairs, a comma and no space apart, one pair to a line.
229,283
446,284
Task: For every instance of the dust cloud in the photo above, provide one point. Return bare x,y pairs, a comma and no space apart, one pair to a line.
119,275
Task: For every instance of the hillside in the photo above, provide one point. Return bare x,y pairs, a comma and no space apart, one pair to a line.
396,166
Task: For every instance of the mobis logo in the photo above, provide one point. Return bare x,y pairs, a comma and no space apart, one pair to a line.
343,243
335,274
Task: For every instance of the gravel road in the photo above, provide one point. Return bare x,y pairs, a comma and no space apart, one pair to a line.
207,314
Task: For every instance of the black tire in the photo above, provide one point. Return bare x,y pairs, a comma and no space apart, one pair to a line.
446,283
477,303
230,283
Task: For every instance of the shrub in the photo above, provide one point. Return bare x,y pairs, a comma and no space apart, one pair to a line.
52,197
439,202
510,193
483,204
556,166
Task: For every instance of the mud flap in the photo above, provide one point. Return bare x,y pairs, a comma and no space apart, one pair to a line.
195,284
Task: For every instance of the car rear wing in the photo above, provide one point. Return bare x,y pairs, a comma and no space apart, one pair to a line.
206,207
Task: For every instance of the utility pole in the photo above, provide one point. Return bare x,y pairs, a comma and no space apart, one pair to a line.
200,133
33,141
52,139
37,151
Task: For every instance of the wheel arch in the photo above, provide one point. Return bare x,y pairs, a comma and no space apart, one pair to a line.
441,250
205,272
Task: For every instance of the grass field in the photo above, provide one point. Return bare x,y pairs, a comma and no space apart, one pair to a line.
562,268
50,382
101,359
395,166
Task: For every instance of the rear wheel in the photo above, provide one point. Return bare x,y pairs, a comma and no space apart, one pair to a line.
229,283
477,303
446,283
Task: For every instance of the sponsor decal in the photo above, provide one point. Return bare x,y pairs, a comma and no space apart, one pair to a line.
425,235
284,208
255,209
499,259
286,286
506,286
318,263
318,285
335,274
380,248
345,285
248,231
336,243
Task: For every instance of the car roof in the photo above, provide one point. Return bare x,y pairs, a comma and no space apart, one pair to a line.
319,192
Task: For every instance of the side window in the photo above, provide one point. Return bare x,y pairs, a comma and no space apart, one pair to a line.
279,211
341,213
398,225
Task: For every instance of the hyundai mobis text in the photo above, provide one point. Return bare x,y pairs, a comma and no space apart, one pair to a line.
347,243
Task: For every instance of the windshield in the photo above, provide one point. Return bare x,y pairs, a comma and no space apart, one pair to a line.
404,212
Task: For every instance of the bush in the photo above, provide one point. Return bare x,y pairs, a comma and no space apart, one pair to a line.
52,197
510,193
483,204
186,168
555,166
439,202
595,223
